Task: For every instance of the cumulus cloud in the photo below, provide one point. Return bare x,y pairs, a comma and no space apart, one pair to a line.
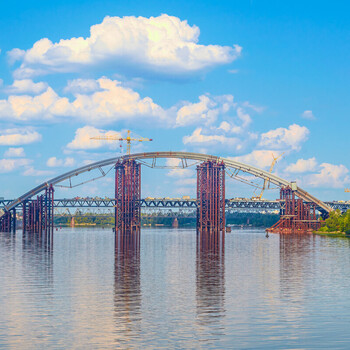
26,86
82,139
198,138
111,103
8,165
302,166
82,86
53,162
329,175
178,171
23,136
13,152
31,171
257,158
308,115
162,45
105,101
205,111
285,138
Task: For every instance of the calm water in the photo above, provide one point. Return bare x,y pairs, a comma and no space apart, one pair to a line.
278,293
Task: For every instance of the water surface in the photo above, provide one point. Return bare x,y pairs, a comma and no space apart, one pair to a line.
169,291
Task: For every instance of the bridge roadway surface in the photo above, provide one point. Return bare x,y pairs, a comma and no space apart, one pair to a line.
178,203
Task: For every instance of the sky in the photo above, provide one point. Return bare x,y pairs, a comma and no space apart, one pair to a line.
246,80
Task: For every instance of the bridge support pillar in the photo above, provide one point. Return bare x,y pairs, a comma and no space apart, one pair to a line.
295,215
210,197
38,214
127,197
6,222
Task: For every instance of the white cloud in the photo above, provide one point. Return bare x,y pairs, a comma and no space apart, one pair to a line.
308,115
15,152
302,166
23,136
112,103
198,138
82,86
82,139
186,182
40,107
285,138
205,112
54,162
162,45
31,171
8,165
259,158
26,86
330,176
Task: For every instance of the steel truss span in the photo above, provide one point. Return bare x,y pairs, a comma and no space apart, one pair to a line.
235,166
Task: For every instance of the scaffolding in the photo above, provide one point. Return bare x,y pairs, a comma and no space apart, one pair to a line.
127,197
210,197
295,215
38,214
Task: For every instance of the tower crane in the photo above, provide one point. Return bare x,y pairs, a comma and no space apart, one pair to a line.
275,159
128,140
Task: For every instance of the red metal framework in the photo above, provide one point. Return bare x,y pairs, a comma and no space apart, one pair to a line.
211,197
8,221
38,214
295,215
127,196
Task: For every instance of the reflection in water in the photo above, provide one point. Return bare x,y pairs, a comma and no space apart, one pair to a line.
27,284
296,262
210,282
127,285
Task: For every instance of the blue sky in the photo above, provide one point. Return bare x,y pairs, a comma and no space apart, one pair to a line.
240,79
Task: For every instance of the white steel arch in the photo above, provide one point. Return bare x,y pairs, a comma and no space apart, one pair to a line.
180,155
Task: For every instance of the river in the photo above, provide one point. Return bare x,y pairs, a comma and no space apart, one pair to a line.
281,292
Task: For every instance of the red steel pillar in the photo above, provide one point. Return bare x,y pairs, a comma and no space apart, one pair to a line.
211,197
38,214
127,196
295,215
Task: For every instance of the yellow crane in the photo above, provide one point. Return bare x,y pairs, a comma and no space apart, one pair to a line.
266,181
128,140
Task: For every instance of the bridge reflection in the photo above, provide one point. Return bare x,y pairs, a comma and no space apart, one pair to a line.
210,280
127,285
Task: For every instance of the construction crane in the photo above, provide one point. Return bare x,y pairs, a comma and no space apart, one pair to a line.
266,181
128,140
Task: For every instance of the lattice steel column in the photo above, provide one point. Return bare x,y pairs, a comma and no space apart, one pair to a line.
38,214
210,197
296,216
127,196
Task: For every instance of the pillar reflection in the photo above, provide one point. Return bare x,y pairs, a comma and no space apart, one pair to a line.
210,278
297,260
127,285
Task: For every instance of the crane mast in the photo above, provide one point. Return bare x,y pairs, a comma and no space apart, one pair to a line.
266,181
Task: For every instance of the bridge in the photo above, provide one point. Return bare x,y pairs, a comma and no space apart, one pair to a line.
297,211
173,203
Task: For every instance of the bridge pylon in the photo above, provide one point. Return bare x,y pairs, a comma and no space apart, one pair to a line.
127,197
210,197
296,216
38,215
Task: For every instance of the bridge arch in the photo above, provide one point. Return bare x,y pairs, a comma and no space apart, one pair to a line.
229,163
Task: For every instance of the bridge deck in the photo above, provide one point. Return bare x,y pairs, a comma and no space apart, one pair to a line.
176,203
